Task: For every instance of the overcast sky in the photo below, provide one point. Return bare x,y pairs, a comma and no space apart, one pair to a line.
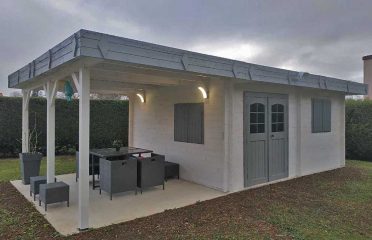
320,37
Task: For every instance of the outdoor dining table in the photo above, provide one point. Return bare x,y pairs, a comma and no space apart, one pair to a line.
112,154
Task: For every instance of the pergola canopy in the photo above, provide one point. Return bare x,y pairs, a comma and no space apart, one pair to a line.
111,58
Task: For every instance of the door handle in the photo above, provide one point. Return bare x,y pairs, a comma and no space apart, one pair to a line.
272,135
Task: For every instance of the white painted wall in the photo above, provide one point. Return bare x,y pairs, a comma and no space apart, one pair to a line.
322,151
153,123
367,75
152,128
308,152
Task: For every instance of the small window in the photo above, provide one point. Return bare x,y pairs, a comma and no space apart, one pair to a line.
321,115
189,122
257,118
277,118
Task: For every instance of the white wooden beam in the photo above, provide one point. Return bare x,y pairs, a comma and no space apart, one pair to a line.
84,118
149,71
25,120
50,88
106,84
75,79
27,94
53,92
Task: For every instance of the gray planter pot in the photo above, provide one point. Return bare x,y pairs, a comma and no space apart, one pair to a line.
29,165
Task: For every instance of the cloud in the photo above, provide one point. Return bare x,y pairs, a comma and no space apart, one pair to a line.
243,51
321,37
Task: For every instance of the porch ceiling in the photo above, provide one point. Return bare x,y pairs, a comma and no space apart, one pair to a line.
115,77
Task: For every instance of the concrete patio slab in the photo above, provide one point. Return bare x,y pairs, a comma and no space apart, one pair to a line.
123,207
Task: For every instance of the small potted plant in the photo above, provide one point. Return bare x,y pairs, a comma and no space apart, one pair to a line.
30,161
117,144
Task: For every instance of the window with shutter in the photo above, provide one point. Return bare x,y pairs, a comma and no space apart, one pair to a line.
189,122
321,115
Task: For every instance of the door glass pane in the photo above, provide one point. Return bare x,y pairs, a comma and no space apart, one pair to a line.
253,128
257,118
280,108
274,108
261,128
274,117
253,107
280,117
253,117
277,118
261,118
261,107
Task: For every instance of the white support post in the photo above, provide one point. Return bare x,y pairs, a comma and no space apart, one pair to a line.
75,79
298,143
25,120
130,119
228,115
50,91
84,118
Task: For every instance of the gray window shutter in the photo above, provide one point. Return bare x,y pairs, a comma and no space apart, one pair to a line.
180,122
195,126
189,122
321,115
326,115
317,112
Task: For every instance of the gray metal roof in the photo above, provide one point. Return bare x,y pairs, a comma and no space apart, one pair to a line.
86,43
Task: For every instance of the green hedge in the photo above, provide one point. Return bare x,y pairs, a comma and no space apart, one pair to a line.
109,121
358,119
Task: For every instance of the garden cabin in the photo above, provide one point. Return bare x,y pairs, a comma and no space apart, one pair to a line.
230,125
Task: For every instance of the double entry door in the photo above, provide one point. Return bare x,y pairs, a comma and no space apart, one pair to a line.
265,133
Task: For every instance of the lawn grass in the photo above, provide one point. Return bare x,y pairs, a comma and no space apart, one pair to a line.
330,205
338,210
9,168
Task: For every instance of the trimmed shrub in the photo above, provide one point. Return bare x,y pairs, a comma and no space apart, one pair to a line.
108,122
358,131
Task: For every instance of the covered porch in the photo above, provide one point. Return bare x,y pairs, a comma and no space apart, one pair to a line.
101,74
123,207
87,208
